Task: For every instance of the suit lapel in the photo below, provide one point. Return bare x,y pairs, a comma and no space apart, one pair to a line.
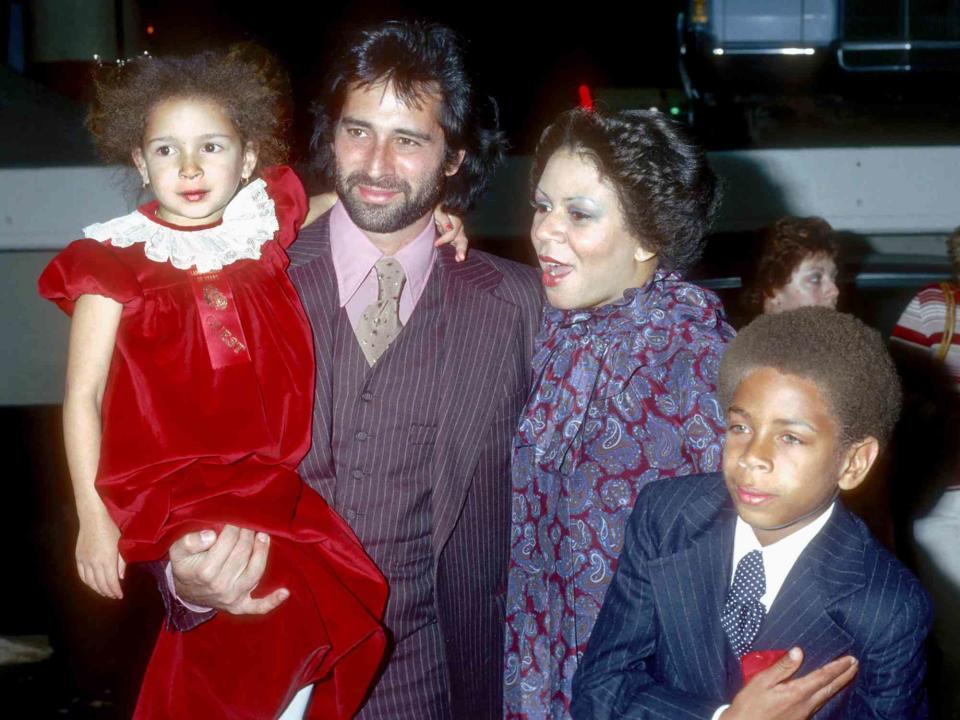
689,590
477,328
829,569
313,275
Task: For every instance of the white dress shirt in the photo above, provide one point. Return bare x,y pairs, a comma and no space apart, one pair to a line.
778,558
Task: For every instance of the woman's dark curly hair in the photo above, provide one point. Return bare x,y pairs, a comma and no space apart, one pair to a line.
244,80
847,361
786,244
667,190
415,57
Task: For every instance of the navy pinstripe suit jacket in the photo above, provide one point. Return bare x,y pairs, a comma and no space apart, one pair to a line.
491,313
658,651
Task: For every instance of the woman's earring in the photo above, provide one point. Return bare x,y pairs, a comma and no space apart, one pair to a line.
146,184
642,255
244,180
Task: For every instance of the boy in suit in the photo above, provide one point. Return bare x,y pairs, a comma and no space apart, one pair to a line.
762,557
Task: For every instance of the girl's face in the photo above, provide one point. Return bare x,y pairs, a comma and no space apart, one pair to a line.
813,283
587,254
194,159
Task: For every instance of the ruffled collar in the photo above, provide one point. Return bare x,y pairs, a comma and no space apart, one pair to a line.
609,319
249,220
590,354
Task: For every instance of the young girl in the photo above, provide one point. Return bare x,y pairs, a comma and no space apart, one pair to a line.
189,390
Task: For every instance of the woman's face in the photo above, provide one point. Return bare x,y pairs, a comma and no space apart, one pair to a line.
587,254
813,283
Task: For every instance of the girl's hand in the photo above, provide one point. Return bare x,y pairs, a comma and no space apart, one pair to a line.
98,560
451,230
319,204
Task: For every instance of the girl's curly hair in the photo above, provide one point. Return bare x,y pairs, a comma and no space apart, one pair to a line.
245,80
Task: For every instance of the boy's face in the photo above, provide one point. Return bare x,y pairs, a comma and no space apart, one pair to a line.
783,462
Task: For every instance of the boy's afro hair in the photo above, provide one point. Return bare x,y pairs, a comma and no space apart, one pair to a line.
847,360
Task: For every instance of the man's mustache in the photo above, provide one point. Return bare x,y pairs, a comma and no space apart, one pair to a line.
389,183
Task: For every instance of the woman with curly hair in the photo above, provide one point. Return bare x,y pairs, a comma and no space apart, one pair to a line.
626,371
797,267
190,389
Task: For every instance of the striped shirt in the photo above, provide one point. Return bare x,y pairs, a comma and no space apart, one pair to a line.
922,326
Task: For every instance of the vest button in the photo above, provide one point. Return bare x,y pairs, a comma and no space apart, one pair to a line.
361,435
351,514
357,474
366,396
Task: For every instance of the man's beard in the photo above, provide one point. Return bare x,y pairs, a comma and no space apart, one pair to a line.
395,216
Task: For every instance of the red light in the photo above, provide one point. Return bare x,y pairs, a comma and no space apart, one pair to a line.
149,29
586,101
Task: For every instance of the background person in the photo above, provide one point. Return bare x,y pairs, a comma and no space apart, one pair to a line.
797,267
926,339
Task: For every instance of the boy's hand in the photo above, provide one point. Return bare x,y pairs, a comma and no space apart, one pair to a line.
98,560
451,230
771,693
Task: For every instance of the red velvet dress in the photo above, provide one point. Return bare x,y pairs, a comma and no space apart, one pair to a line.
206,415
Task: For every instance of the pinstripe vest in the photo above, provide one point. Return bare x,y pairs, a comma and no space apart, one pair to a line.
383,433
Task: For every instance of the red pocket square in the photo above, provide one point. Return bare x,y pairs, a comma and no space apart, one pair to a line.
758,660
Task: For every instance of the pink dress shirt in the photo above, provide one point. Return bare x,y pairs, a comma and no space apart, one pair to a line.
354,257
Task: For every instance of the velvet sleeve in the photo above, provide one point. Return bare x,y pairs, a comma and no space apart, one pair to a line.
290,199
88,267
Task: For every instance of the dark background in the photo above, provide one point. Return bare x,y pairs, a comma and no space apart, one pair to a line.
532,58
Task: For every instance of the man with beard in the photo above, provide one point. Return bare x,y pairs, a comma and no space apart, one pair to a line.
422,370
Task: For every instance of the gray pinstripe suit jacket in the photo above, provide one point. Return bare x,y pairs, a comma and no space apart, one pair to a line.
491,313
658,651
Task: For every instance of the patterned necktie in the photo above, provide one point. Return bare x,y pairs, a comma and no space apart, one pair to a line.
743,611
380,322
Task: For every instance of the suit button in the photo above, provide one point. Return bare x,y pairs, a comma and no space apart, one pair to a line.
351,514
366,396
361,435
357,474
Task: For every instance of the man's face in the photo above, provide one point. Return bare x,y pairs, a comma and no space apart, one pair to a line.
389,157
782,460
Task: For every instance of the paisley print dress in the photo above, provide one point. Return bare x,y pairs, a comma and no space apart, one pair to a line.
623,396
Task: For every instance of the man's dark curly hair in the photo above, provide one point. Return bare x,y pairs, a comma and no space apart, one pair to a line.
667,190
846,359
786,244
417,57
244,80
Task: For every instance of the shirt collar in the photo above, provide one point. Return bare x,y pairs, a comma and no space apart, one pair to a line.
779,557
354,256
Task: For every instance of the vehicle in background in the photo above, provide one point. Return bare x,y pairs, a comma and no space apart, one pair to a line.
738,55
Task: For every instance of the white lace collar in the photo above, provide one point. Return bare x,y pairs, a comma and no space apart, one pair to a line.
250,219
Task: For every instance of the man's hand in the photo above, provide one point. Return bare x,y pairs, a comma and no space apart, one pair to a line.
221,572
771,693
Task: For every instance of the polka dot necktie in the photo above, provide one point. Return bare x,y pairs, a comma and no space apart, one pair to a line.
380,322
743,611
